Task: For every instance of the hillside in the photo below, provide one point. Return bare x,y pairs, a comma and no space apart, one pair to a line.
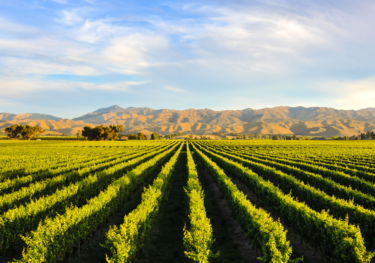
317,121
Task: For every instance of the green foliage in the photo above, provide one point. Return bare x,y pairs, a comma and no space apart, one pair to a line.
102,133
24,218
14,130
336,238
125,242
30,131
57,236
315,198
142,136
139,136
39,184
199,239
27,132
368,135
258,225
55,194
154,136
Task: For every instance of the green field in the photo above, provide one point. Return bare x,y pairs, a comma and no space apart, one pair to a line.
209,200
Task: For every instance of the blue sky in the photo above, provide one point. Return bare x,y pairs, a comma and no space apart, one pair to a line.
67,58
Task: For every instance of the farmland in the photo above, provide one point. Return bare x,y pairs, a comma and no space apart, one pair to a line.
187,201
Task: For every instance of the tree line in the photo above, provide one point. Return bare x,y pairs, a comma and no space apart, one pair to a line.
111,132
27,132
142,136
98,133
102,133
368,135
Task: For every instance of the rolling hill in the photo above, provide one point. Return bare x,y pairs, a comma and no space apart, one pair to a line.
317,121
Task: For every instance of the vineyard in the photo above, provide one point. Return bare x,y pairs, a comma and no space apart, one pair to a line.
187,201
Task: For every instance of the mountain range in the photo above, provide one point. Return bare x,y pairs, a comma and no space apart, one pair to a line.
313,121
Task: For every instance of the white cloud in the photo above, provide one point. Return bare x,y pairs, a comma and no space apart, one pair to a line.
236,44
70,17
349,94
124,51
21,87
120,86
48,48
247,40
5,103
92,31
347,86
60,1
175,89
14,28
29,66
135,52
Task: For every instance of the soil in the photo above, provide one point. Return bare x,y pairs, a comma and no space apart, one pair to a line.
224,243
91,250
303,249
166,235
234,228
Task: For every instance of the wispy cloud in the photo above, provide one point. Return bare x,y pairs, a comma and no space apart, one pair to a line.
349,94
121,86
60,1
230,50
70,17
14,88
175,89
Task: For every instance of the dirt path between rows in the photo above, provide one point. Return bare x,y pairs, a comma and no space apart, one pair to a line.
234,227
91,250
165,243
304,249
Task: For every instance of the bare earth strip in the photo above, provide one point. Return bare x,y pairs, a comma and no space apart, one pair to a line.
234,227
303,249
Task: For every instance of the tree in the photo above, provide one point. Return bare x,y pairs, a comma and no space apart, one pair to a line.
27,131
132,136
87,132
102,133
79,134
368,135
155,136
120,128
30,131
294,137
142,136
14,130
